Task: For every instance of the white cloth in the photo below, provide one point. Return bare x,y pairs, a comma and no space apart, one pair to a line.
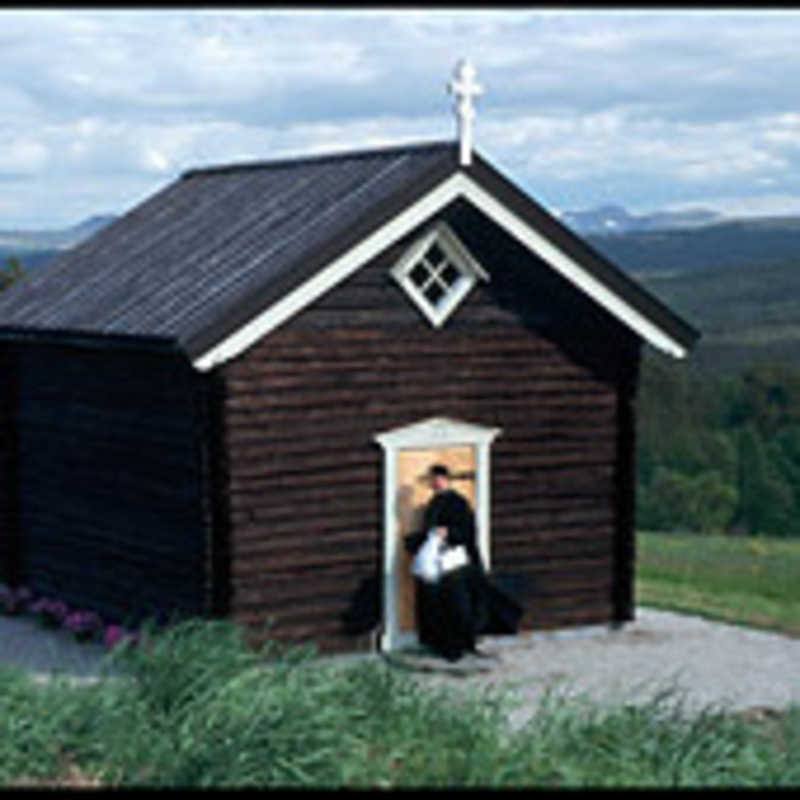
426,564
453,558
434,558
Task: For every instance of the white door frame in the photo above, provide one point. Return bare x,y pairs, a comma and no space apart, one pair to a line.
433,432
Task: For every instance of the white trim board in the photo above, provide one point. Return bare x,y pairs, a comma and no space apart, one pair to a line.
455,186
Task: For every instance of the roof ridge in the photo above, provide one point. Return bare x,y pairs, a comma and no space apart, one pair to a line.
318,157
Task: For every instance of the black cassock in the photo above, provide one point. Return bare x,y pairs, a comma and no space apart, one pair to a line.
464,603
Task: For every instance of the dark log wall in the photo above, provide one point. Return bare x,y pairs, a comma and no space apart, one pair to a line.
625,485
110,473
9,529
526,352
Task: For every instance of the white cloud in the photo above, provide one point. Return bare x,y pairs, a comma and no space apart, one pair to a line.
573,146
615,102
766,204
783,130
16,104
22,155
154,160
729,162
124,62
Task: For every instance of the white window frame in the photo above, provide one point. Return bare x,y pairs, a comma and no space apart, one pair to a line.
457,254
433,432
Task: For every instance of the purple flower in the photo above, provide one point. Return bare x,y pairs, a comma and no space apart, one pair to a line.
51,612
113,636
59,610
83,624
38,606
116,635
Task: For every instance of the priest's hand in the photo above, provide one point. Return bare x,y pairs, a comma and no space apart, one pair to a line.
442,532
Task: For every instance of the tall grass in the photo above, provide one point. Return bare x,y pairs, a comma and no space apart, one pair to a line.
739,579
199,709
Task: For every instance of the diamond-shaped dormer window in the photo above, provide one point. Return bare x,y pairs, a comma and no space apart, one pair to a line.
437,272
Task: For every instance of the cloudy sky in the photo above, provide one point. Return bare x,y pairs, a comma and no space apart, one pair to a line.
648,109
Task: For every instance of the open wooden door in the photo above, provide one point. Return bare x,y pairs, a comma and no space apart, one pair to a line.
413,494
408,454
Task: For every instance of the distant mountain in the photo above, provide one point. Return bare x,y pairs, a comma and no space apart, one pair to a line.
30,260
616,219
12,241
753,241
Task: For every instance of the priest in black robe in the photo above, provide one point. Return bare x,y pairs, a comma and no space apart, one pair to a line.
452,612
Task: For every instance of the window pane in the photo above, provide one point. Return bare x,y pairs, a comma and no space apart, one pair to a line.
449,274
435,255
419,274
434,293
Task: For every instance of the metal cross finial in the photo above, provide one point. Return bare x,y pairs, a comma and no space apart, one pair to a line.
464,87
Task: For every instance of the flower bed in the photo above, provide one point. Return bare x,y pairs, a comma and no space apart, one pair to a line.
84,625
115,635
51,613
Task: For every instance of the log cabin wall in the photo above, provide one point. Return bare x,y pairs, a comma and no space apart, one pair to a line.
9,529
526,352
111,479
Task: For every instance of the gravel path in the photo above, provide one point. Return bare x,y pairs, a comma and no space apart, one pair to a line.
44,653
711,662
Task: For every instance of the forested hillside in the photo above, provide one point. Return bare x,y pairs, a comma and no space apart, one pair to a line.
748,312
30,260
719,452
719,434
743,241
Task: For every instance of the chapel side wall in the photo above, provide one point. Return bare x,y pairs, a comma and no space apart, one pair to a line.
526,353
9,532
111,479
625,485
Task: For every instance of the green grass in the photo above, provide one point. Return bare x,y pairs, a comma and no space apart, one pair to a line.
746,580
198,709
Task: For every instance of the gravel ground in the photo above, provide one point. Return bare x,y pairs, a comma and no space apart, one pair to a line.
710,662
45,653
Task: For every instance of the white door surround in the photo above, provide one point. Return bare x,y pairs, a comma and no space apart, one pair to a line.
434,432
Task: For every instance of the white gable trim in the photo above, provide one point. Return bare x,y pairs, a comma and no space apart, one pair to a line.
335,272
573,271
457,185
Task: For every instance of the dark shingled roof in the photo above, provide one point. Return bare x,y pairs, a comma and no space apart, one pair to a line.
208,242
204,255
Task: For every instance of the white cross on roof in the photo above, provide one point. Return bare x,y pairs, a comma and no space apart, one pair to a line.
464,88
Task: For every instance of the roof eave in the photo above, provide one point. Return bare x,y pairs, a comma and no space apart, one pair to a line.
96,340
492,193
205,340
508,192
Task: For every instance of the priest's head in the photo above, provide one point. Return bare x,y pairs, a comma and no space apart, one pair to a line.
440,477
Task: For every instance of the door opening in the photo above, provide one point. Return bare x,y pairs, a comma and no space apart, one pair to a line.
409,452
413,494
